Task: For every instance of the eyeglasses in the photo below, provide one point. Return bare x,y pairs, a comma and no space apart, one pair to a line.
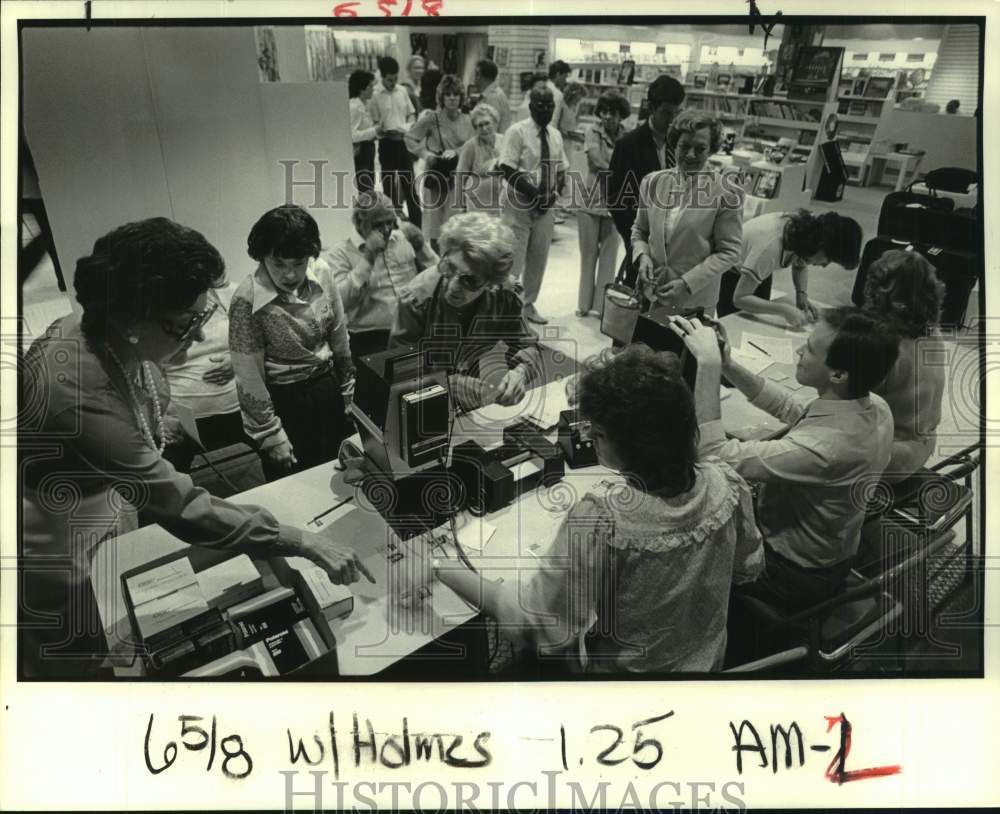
470,282
196,322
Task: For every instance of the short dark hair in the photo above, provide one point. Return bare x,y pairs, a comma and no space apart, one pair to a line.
865,346
285,231
357,82
142,270
488,69
664,89
613,101
904,287
643,405
837,236
388,65
557,68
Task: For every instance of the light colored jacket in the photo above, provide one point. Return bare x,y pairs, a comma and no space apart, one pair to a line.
700,242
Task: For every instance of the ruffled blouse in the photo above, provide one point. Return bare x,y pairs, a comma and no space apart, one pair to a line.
635,582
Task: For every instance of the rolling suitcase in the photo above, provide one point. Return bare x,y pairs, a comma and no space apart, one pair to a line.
904,214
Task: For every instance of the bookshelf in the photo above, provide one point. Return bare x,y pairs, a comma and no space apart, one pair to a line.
861,115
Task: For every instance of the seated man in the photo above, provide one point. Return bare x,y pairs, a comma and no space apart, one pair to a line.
815,473
461,309
370,267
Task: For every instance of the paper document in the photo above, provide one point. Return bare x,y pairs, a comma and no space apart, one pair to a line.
474,532
755,364
774,348
161,581
545,406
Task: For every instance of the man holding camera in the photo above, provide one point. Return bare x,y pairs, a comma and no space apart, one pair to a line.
534,163
812,474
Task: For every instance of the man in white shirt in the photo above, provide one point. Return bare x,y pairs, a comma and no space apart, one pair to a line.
814,475
393,114
492,93
559,72
534,163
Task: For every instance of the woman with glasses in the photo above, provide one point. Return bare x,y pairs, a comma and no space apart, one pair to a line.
461,308
204,384
437,137
92,434
370,266
479,179
290,348
598,238
689,224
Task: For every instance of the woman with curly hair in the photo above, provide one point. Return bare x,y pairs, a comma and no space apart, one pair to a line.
91,438
781,240
689,223
638,576
437,137
461,307
902,288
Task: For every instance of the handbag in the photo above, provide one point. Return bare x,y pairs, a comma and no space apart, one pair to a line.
438,179
622,305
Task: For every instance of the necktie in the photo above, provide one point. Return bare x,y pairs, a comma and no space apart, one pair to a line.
546,182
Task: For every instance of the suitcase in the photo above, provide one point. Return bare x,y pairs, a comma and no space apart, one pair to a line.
903,213
958,270
951,179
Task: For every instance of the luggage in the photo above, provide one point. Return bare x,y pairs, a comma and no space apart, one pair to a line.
958,270
951,179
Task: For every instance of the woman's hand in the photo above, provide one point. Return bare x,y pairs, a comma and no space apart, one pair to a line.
793,316
806,307
448,155
512,387
281,455
341,564
219,375
673,292
466,392
701,340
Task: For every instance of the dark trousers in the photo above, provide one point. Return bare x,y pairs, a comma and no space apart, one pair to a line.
215,432
312,415
366,342
364,166
728,288
791,587
397,177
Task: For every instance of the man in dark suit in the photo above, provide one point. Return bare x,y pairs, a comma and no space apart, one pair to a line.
638,153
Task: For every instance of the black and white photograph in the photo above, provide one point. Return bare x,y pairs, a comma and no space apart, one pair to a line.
492,372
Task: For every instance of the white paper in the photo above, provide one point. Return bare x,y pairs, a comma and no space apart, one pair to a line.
525,468
161,581
774,348
755,364
176,607
226,576
475,533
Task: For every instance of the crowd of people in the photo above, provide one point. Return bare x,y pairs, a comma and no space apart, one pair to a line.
267,356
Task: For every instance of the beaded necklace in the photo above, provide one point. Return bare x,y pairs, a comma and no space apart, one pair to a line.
147,383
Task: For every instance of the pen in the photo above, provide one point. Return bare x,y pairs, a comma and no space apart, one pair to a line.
332,509
752,345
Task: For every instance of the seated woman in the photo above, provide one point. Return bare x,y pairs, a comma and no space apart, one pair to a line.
639,574
781,239
97,397
902,287
689,224
290,349
478,178
204,384
370,266
437,137
462,308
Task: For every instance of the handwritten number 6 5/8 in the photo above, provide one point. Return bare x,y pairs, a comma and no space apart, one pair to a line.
231,746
